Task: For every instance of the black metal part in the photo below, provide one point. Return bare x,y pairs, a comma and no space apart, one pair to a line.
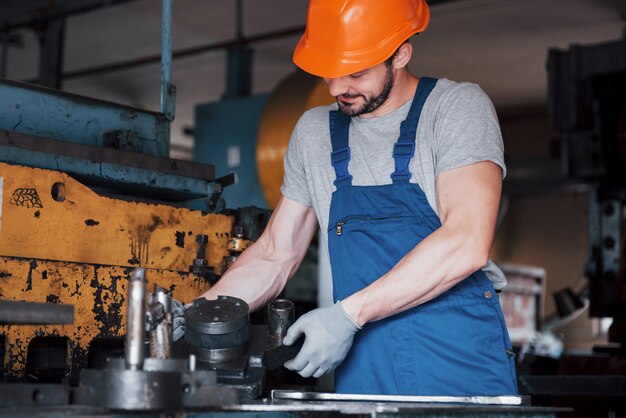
217,330
220,183
219,333
253,221
248,372
163,384
109,154
576,385
33,394
12,312
51,40
200,264
238,71
224,315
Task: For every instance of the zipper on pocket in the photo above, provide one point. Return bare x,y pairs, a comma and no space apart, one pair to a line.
339,229
340,224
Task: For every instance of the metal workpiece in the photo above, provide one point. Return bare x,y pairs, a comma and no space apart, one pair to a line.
346,397
281,315
33,313
159,317
223,315
217,330
294,408
135,325
219,333
163,384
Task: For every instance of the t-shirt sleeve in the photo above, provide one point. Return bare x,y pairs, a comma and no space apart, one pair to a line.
295,186
467,130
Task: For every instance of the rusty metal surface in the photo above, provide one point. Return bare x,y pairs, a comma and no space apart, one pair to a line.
47,215
98,294
62,243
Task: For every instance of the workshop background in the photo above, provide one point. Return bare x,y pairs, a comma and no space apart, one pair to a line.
238,95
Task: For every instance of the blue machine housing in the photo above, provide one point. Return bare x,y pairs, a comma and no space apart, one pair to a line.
226,135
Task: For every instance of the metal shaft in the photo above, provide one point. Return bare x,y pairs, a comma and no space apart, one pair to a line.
12,312
161,335
166,54
135,326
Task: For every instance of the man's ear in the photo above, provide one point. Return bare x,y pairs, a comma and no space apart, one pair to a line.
403,56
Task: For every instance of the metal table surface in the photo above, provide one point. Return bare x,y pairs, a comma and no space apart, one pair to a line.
268,408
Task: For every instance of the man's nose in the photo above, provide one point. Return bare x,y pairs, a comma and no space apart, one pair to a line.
336,86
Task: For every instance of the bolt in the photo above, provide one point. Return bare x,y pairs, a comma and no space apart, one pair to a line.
609,209
609,242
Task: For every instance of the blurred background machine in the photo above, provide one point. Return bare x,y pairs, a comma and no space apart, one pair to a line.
587,105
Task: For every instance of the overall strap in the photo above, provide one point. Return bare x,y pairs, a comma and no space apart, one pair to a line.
340,155
404,149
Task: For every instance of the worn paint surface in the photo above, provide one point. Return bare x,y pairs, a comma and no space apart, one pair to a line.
80,250
98,294
83,227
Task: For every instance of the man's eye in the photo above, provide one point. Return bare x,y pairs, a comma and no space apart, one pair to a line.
356,75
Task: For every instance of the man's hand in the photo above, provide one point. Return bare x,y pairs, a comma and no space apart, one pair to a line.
328,337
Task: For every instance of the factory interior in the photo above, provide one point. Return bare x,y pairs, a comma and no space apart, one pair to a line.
141,153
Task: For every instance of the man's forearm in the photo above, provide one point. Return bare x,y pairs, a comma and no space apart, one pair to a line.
467,200
435,265
256,277
261,271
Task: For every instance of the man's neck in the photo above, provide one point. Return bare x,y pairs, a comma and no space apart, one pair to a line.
403,90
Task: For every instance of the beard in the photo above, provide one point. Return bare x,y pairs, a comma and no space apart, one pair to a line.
370,104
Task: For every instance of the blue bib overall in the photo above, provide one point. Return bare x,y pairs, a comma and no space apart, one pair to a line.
456,344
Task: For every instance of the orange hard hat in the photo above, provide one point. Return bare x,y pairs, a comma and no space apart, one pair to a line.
345,37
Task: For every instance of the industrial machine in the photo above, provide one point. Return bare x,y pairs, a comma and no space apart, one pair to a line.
87,193
219,367
587,104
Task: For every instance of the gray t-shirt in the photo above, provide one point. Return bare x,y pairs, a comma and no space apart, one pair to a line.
458,126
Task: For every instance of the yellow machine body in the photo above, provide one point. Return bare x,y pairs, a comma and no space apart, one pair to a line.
60,242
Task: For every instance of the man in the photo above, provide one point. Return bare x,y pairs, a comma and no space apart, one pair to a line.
404,177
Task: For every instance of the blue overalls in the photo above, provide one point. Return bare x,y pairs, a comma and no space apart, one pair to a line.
456,344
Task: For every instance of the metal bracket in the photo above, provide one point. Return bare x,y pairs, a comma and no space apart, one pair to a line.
200,265
218,188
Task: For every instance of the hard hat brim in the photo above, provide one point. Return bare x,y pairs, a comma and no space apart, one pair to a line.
324,63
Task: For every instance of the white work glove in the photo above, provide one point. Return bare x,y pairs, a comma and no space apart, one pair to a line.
178,320
328,334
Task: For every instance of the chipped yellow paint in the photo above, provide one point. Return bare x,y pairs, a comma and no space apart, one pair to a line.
80,248
98,294
88,228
